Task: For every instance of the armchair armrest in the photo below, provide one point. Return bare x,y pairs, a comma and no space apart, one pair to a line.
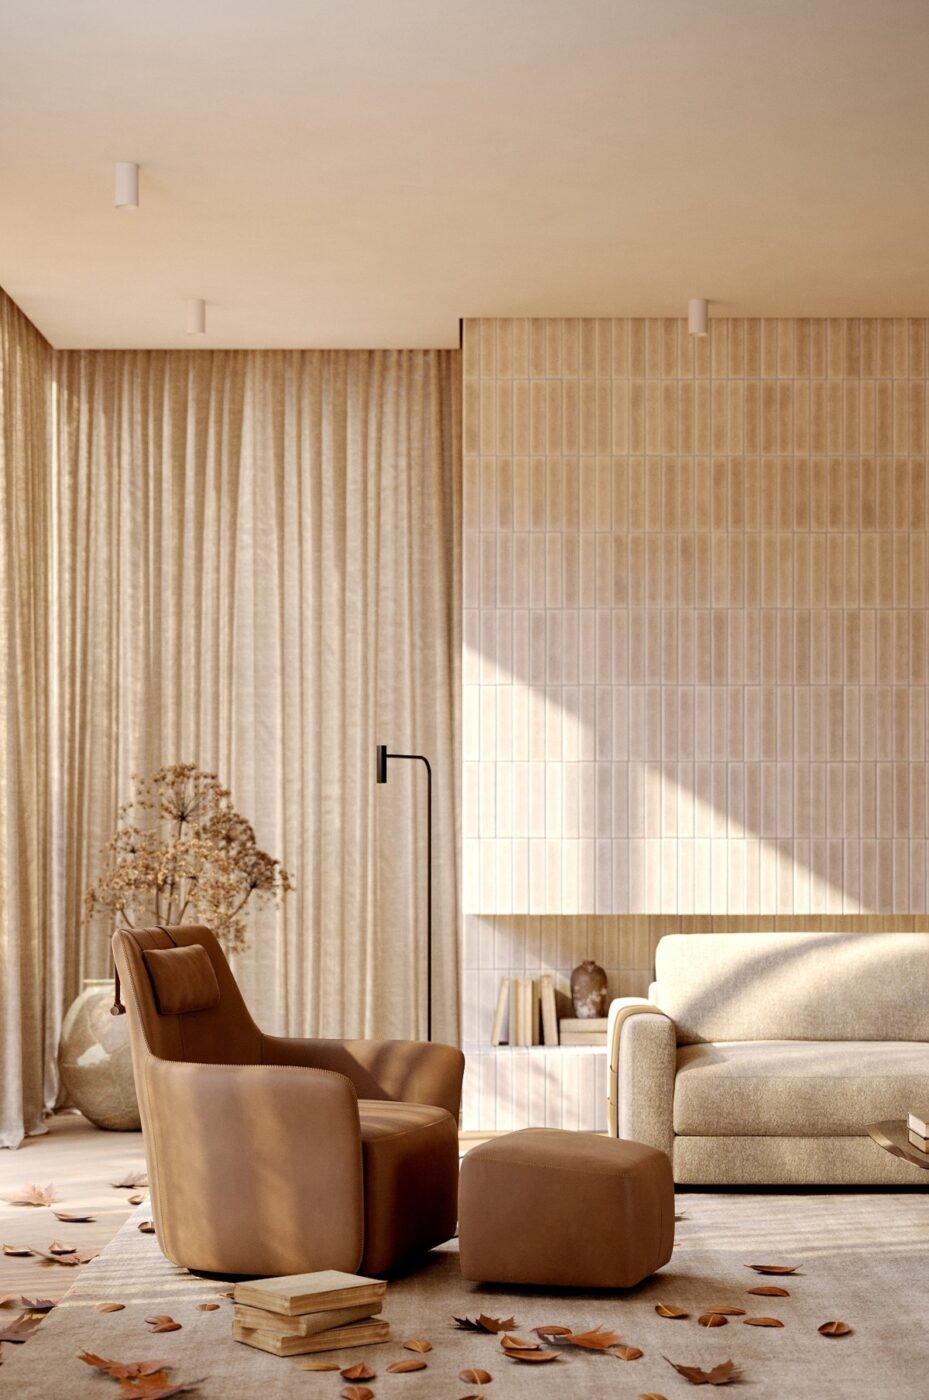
406,1071
275,1150
642,1053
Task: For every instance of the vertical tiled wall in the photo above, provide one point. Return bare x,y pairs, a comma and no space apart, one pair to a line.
695,617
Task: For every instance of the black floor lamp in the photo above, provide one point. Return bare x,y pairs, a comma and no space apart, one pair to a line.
382,757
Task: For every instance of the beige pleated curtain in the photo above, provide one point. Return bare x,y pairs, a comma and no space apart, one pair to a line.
255,561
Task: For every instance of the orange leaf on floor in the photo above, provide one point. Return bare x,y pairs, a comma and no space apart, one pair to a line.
361,1371
409,1363
628,1353
163,1322
762,1322
726,1311
486,1324
834,1329
723,1374
33,1196
108,1307
319,1366
132,1180
71,1217
770,1290
207,1307
597,1339
21,1328
356,1392
122,1370
475,1376
712,1319
43,1305
773,1268
531,1356
669,1310
552,1333
146,1227
418,1344
511,1343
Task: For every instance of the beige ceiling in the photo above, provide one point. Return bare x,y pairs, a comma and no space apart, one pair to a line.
365,172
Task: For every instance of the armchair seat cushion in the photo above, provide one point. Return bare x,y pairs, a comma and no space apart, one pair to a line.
796,1088
410,1169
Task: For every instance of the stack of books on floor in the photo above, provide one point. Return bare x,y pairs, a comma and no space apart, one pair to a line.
918,1132
300,1313
590,1031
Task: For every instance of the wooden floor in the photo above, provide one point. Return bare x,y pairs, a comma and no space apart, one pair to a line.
81,1162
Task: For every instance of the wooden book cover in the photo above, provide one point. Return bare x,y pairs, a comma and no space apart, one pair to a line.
516,1013
549,1013
295,1294
500,1016
357,1334
306,1325
535,1037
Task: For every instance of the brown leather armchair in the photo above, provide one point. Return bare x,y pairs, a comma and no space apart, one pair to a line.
274,1156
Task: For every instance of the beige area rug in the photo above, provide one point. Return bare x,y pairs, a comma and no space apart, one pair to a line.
862,1257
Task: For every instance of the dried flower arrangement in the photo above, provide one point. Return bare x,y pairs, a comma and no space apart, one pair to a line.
182,852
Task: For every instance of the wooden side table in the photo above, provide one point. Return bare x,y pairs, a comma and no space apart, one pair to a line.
892,1136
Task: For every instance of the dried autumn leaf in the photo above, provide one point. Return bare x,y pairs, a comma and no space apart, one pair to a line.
475,1376
42,1305
319,1366
773,1268
230,1293
727,1311
762,1322
146,1227
56,1247
628,1353
33,1196
70,1217
409,1363
356,1392
723,1374
834,1329
21,1328
156,1387
109,1307
552,1333
17,1251
163,1322
532,1356
122,1370
132,1180
207,1307
770,1290
70,1259
652,1395
486,1324
137,1199
511,1343
597,1339
669,1310
712,1319
418,1344
361,1371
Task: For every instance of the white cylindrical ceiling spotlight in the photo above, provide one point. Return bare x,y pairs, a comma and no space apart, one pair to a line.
127,185
697,312
196,316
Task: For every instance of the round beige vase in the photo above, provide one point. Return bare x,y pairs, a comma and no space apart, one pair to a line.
94,1059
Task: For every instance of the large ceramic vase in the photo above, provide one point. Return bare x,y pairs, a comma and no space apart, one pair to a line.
94,1059
589,990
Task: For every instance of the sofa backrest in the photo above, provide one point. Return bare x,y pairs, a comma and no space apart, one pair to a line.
795,986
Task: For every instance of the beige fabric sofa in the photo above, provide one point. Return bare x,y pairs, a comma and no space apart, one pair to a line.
762,1058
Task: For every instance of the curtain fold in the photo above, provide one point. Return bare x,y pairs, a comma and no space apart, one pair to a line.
256,558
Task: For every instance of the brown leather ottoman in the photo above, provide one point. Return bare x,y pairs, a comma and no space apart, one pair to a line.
573,1209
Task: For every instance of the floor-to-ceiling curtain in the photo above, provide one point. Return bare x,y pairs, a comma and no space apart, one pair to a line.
254,561
31,958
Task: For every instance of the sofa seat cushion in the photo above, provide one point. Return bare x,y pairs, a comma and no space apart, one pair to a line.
796,1088
410,1163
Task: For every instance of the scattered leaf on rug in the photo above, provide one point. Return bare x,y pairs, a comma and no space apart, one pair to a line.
146,1227
418,1344
122,1370
723,1374
207,1307
230,1293
773,1268
669,1310
532,1356
156,1387
409,1363
770,1290
552,1333
33,1196
56,1247
70,1258
726,1311
486,1324
21,1328
712,1319
137,1199
42,1305
356,1392
762,1322
597,1339
475,1376
108,1307
17,1251
163,1322
72,1217
361,1371
319,1366
628,1353
511,1343
834,1329
132,1180
7,1300
652,1395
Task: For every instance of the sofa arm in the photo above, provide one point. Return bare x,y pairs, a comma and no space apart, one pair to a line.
406,1071
254,1169
642,1055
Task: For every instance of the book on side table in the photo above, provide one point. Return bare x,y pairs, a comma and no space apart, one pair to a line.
303,1313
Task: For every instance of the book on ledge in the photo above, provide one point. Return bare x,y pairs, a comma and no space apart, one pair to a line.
918,1125
297,1294
355,1334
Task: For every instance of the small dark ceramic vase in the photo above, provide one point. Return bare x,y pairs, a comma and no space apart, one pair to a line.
588,990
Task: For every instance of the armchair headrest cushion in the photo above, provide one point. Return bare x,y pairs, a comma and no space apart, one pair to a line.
182,979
